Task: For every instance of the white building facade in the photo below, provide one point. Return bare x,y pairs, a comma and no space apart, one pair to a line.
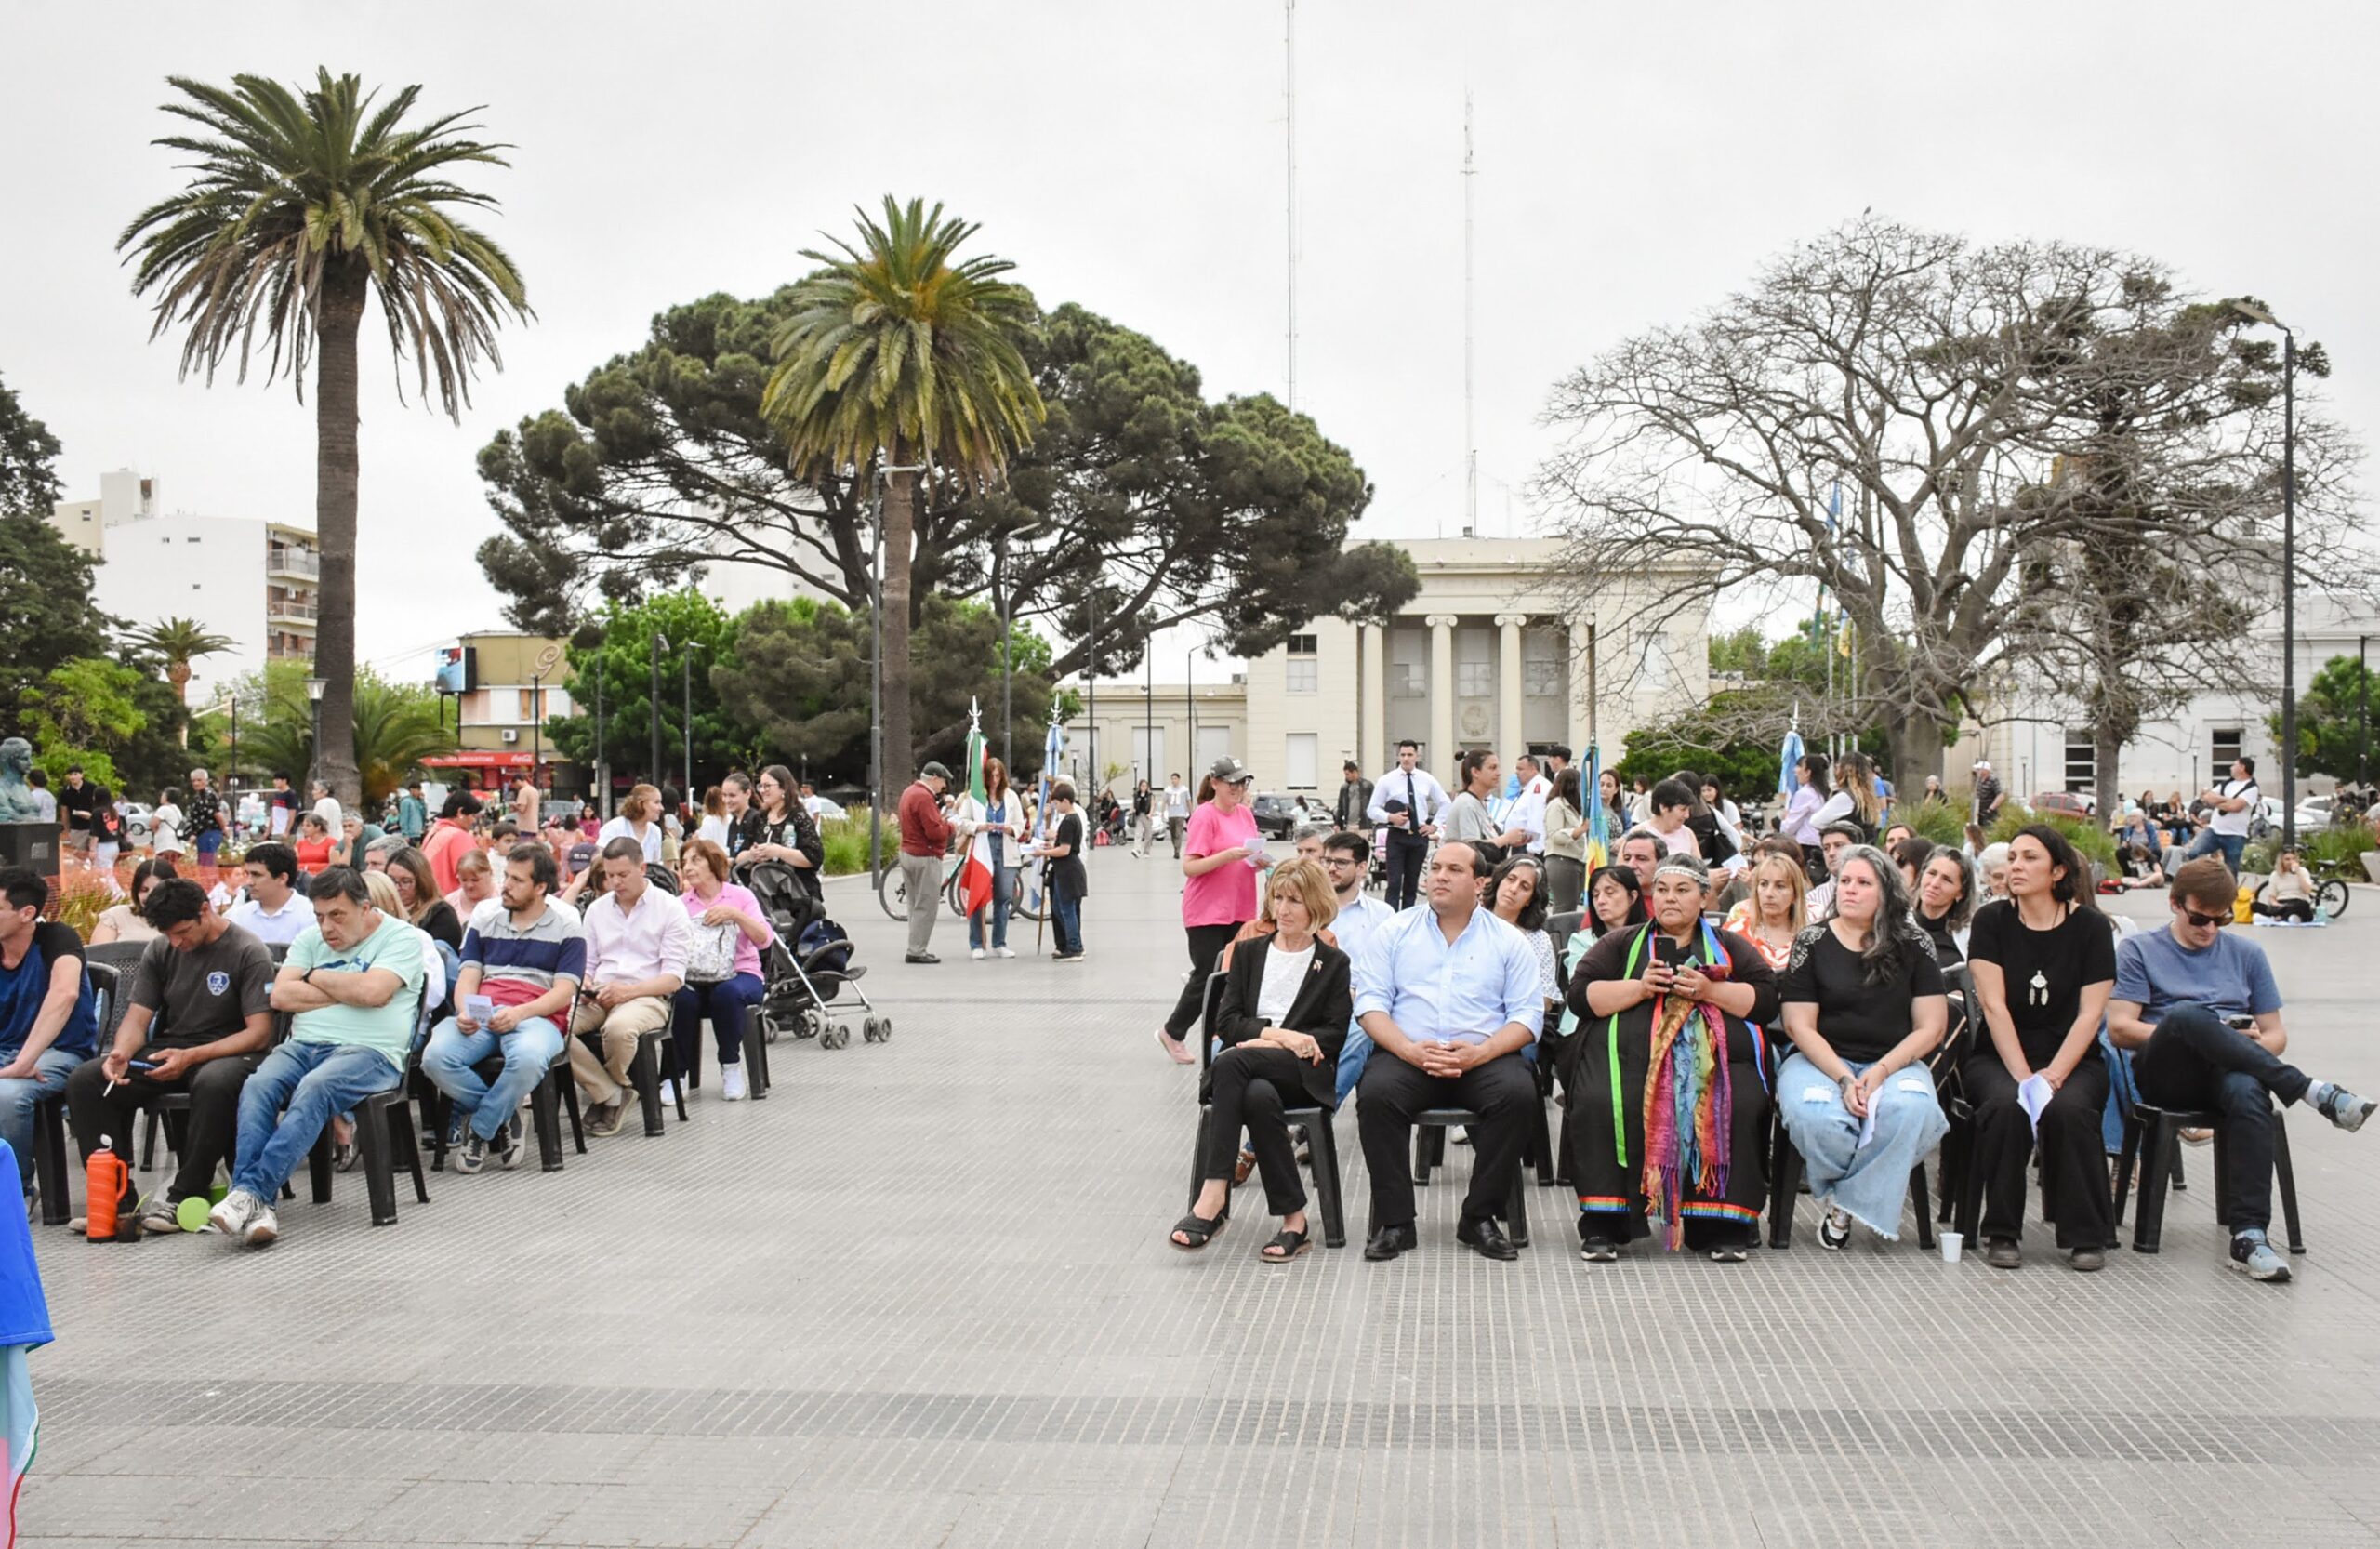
252,581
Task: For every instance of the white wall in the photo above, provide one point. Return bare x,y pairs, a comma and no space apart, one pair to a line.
202,567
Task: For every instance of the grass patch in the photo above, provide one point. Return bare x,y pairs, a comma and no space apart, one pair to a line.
1939,821
846,842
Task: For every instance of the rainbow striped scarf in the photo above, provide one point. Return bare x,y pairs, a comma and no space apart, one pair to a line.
1689,1102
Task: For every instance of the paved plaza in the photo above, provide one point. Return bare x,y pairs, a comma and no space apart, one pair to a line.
920,1296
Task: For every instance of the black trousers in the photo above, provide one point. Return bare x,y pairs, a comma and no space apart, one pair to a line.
2194,1061
2288,909
214,1119
1406,854
1500,1092
2074,1165
1251,1088
1207,943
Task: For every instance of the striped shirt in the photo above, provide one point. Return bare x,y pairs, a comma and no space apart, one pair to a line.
518,963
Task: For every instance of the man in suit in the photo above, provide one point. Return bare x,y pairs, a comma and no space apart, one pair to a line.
1410,800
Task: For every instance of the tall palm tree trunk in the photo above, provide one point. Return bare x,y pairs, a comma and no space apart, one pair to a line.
177,674
335,498
900,525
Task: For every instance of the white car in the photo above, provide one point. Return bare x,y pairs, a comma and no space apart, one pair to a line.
135,824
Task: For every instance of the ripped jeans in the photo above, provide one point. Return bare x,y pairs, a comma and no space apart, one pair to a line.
1869,1183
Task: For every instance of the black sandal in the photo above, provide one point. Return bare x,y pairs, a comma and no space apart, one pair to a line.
1198,1229
1290,1243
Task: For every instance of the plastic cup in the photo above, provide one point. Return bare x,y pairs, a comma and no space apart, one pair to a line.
1954,1244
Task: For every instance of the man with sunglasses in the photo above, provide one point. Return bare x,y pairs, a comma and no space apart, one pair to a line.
2176,992
1347,861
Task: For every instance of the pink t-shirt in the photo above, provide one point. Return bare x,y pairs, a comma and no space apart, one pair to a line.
1227,894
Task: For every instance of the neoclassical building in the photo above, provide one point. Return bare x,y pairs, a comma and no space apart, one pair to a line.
1488,654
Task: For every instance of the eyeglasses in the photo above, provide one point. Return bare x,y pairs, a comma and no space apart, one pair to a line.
2203,920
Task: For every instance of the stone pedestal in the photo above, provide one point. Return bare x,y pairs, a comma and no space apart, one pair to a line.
33,845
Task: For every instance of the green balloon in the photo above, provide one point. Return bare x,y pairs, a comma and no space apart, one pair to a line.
191,1214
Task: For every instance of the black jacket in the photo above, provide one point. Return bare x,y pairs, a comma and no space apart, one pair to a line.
1325,1005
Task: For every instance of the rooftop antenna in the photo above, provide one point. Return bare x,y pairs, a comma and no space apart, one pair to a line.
1289,193
1470,441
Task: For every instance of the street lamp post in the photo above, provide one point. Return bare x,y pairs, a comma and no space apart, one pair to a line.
537,725
999,600
315,687
2254,314
686,710
660,644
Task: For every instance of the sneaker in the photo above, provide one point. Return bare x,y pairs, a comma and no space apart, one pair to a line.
1175,1049
1598,1250
1731,1254
2253,1253
472,1156
977,953
1002,952
919,957
2087,1259
1834,1231
2347,1110
2003,1254
507,1146
1067,957
263,1227
232,1213
605,1119
731,1084
158,1216
668,1094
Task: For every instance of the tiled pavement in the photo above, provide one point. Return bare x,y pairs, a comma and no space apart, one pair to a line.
921,1297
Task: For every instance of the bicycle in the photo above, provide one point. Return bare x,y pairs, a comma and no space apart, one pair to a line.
892,892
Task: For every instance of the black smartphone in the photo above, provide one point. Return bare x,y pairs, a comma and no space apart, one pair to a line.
1672,953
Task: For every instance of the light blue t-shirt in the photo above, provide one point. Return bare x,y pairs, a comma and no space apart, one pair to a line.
2231,978
396,946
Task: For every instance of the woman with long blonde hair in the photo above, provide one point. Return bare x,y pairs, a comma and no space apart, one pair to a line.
1776,911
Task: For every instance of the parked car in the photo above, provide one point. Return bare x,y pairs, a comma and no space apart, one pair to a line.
136,815
1277,816
2065,803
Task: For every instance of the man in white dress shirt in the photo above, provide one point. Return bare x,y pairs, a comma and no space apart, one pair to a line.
1410,800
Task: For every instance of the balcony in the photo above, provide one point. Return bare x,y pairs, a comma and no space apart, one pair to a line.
280,559
288,610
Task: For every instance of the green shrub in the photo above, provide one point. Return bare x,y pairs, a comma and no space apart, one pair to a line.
846,841
1939,821
2092,841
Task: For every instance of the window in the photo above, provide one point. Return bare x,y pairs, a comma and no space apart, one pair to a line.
2081,760
1305,675
1474,680
1408,680
2225,746
1303,755
1302,645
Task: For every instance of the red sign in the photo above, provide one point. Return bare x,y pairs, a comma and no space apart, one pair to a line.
477,759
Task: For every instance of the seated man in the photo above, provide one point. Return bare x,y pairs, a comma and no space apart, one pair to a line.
353,980
1346,860
2175,990
1450,994
273,911
527,957
48,1017
1834,841
637,941
198,1011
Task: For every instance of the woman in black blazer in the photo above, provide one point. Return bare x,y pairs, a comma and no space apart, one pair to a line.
1287,1001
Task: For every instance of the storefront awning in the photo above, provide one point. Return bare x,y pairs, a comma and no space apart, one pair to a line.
477,758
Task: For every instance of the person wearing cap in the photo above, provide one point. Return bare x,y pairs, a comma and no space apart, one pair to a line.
1987,794
1221,857
925,835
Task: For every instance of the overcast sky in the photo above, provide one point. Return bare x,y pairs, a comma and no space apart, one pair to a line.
1635,164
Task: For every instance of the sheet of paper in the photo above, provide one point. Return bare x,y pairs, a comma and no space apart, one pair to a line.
478,1008
1868,1125
2034,1092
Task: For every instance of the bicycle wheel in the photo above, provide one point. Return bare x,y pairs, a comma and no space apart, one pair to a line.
956,895
2331,897
1020,906
892,891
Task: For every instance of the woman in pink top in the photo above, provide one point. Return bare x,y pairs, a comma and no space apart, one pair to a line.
1222,856
715,905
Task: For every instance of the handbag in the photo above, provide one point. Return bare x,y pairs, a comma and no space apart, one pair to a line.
711,960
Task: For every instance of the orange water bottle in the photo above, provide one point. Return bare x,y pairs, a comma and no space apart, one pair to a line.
105,1180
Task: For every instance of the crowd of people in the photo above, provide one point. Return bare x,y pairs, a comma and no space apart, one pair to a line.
1843,979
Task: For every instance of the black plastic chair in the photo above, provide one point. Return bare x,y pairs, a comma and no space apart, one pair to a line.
1322,1142
1430,1127
554,1091
1552,1160
50,1170
1785,1184
2155,1134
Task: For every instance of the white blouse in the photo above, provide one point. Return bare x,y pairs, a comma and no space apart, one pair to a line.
1283,973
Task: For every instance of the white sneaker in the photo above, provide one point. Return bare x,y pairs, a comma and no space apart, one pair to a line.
239,1214
731,1084
976,953
668,1094
1002,952
262,1228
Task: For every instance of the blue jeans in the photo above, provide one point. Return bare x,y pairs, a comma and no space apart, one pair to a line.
1870,1182
1003,890
314,1081
17,1096
527,1050
2208,841
723,1003
1352,1055
1065,920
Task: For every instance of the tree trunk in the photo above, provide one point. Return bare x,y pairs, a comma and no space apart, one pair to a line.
900,525
177,674
334,495
2106,753
1913,742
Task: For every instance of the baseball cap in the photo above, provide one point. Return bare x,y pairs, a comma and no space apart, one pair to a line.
1231,771
1982,764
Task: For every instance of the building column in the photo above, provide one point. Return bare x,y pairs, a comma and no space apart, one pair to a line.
1582,716
1509,741
1442,760
1371,700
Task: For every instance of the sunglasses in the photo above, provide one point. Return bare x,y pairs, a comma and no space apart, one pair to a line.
2203,920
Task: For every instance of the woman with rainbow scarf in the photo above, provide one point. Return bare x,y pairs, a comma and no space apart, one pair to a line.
1668,1078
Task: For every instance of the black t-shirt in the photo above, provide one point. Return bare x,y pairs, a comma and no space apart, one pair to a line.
200,997
77,803
1861,1021
1066,872
1937,932
2043,971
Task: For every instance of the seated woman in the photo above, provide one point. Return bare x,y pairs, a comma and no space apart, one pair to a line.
722,915
1516,895
124,922
1777,910
2044,961
313,844
1668,1081
1945,903
2288,894
1863,1005
1286,1004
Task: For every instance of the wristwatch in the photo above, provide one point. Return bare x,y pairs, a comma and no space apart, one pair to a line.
307,977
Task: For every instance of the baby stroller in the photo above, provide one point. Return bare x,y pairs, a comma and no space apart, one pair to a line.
808,968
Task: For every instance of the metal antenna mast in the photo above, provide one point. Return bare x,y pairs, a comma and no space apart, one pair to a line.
1290,188
1470,441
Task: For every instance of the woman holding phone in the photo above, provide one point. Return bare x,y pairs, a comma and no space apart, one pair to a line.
1667,1081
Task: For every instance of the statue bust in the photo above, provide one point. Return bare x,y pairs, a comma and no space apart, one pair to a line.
17,803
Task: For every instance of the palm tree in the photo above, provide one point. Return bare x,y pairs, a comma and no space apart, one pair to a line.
896,358
395,729
181,641
300,209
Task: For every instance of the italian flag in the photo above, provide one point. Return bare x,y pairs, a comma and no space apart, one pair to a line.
975,877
